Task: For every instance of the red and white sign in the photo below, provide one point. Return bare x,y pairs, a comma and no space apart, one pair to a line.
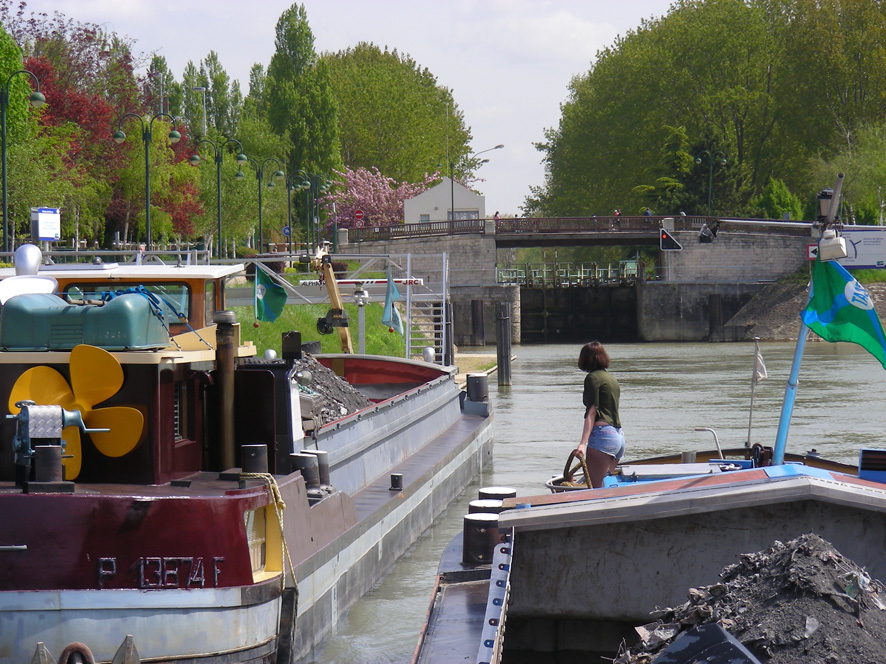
811,251
358,217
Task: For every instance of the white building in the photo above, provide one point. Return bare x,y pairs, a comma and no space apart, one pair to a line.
436,204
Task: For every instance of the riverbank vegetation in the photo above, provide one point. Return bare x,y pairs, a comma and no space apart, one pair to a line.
752,106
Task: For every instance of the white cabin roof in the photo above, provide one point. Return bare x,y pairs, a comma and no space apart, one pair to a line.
131,271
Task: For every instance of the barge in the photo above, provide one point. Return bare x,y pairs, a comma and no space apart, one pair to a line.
166,495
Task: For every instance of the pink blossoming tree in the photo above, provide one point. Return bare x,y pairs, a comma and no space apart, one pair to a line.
378,196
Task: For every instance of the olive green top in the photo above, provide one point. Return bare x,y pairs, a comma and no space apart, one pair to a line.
602,390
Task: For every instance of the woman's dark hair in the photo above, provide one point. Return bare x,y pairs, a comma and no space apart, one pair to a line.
592,357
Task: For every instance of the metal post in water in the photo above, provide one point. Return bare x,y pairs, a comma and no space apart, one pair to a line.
503,343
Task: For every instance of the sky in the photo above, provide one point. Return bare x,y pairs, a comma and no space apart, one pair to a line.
508,62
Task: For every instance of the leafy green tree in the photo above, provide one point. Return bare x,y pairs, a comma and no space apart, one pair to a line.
393,115
669,193
863,162
160,89
776,201
298,96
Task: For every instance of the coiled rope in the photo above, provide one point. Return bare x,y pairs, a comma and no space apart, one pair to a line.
274,489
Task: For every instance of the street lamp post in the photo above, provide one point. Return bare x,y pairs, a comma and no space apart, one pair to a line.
711,159
259,175
306,185
174,137
219,152
290,187
202,89
159,76
36,100
452,175
313,186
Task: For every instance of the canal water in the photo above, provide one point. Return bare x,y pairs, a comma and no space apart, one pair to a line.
666,391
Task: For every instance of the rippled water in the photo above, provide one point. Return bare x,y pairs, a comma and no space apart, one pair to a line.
667,390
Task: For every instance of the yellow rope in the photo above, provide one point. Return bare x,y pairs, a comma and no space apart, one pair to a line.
271,483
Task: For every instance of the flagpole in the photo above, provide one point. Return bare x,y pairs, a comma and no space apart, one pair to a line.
790,393
753,387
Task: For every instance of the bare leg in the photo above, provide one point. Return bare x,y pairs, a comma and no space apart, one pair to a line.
599,464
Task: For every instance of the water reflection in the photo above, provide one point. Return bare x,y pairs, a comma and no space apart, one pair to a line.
667,391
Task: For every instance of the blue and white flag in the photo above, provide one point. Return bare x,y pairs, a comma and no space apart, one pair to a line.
391,317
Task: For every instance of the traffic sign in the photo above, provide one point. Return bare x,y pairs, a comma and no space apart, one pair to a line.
358,223
286,231
667,242
358,215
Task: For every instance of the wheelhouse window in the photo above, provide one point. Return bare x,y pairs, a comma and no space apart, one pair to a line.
209,308
172,297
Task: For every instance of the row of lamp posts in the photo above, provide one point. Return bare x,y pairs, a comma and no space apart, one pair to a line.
311,183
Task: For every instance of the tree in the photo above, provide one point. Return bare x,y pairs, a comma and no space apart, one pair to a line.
378,196
298,96
392,114
776,201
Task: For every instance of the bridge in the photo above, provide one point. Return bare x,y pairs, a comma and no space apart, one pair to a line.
686,295
572,231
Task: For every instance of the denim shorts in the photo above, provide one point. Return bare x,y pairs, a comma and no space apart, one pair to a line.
608,440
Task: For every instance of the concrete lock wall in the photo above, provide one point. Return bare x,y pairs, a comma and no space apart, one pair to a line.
698,290
690,312
734,258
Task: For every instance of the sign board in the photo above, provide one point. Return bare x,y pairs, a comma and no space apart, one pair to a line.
46,224
358,223
286,231
406,281
811,251
865,246
358,215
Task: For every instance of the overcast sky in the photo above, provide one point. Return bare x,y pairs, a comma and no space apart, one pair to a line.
508,62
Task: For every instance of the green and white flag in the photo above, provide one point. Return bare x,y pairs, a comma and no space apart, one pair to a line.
840,309
390,316
270,297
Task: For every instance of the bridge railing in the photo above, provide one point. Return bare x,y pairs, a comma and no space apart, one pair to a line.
425,229
566,274
609,224
603,224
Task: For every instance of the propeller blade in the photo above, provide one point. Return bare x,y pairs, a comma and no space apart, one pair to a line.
42,385
125,424
72,448
96,375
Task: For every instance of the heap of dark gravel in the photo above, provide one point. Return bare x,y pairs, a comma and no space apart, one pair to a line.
338,397
799,601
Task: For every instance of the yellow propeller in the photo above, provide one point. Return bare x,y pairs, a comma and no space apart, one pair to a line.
96,376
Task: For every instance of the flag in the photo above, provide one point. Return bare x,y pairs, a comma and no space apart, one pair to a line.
269,296
840,309
759,368
391,317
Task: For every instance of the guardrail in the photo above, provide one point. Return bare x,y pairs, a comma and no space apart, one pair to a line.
425,229
603,224
161,256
